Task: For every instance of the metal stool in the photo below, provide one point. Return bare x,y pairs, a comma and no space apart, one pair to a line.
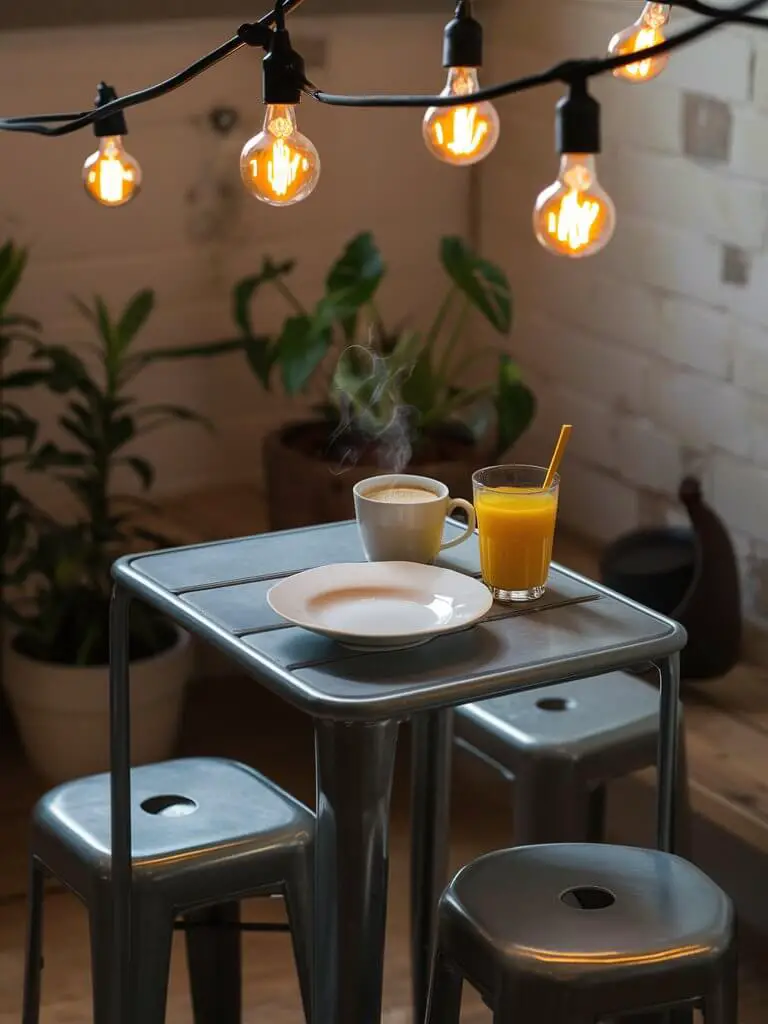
207,833
562,745
574,933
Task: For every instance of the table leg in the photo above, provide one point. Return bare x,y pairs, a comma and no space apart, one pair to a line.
120,797
354,766
669,742
431,749
668,787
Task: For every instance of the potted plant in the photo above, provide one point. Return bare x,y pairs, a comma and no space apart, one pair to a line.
56,574
386,399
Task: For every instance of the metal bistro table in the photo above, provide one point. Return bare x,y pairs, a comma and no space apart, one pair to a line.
218,591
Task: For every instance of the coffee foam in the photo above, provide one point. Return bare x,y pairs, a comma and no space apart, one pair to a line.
404,495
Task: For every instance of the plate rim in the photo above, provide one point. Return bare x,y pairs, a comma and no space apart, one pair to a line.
428,631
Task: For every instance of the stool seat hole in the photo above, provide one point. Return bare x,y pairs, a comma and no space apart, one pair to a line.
169,805
588,897
556,703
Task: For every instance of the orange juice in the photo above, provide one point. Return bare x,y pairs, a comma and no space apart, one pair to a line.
516,527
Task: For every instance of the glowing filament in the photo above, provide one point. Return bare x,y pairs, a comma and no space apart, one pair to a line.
461,135
109,179
644,39
572,224
645,33
467,129
574,216
279,165
110,175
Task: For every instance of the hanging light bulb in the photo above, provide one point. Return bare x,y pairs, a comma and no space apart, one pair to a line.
574,216
644,33
280,166
110,175
462,135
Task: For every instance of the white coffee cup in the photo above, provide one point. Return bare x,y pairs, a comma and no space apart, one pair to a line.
401,517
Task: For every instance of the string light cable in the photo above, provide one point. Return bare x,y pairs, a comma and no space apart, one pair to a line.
255,35
280,166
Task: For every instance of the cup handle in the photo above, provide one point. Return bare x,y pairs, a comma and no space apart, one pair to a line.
469,508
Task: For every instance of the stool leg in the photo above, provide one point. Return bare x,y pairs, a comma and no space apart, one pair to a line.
551,805
214,963
151,942
721,1003
444,1001
299,903
102,954
33,964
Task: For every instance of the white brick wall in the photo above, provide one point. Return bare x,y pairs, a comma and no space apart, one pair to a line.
659,360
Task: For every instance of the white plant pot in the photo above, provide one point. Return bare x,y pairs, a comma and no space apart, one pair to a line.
62,711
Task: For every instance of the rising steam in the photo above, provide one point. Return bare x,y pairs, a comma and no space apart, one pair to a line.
368,393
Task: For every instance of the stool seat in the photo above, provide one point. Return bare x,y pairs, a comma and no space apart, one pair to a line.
562,746
189,806
574,933
610,715
580,909
205,834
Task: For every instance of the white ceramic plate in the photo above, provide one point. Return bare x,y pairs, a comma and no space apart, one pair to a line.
380,605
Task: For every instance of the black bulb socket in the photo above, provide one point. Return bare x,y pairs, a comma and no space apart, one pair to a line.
577,121
283,71
463,39
111,124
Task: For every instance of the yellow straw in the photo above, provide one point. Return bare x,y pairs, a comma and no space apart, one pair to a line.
557,454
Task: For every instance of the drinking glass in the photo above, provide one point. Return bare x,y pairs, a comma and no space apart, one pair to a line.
516,524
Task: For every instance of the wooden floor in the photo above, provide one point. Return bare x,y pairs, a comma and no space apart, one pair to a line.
234,718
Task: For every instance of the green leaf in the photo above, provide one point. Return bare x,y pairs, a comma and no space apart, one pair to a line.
19,320
12,263
484,284
66,371
85,310
515,405
360,263
105,326
49,456
120,432
353,279
15,423
167,412
142,468
159,540
300,349
134,317
244,290
76,430
24,379
260,355
204,351
421,388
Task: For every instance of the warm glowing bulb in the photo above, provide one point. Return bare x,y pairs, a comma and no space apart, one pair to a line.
461,135
646,31
110,175
574,216
280,166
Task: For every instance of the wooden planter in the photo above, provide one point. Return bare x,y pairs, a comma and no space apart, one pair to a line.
304,486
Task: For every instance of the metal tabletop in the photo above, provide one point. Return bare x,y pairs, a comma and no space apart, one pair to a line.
218,592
